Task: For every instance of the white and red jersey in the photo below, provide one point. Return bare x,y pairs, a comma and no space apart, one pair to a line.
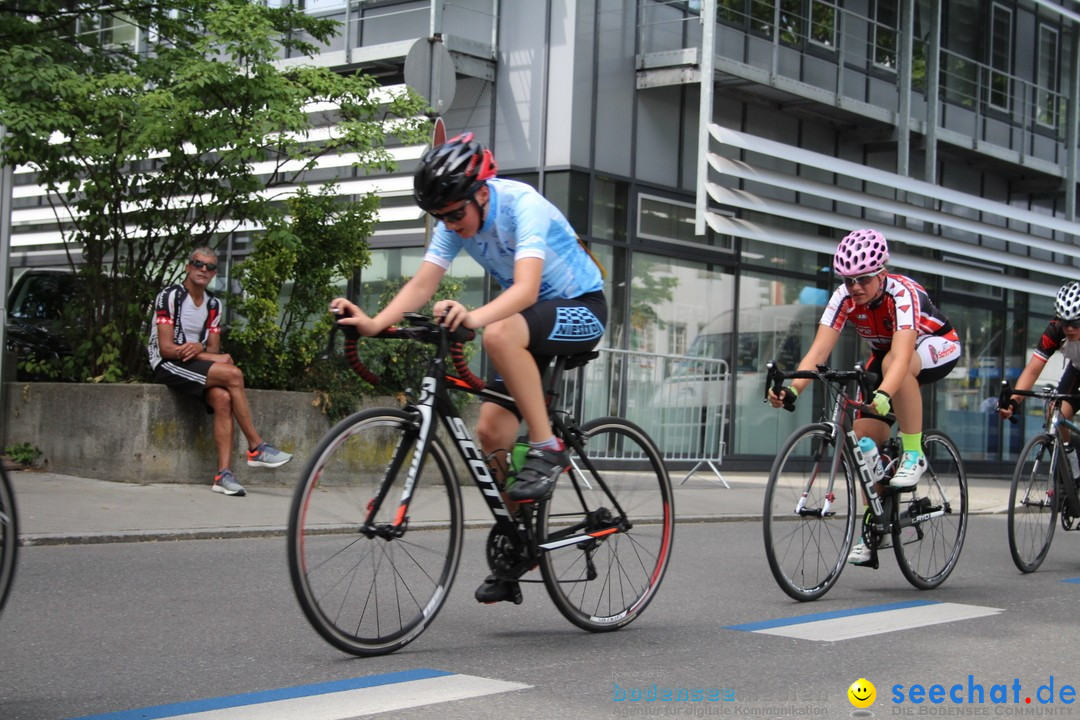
904,305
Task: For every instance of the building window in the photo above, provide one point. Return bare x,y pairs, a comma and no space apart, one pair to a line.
823,24
884,33
1047,100
609,204
673,221
1001,32
677,339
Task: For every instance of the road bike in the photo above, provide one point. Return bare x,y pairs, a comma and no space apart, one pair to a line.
1043,488
810,513
377,521
9,536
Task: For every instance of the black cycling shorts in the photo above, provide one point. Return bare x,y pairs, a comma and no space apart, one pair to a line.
562,326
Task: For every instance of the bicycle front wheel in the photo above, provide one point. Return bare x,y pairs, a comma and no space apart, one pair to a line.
9,537
809,523
605,535
931,520
1033,504
370,589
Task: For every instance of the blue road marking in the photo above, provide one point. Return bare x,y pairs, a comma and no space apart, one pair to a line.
255,698
831,615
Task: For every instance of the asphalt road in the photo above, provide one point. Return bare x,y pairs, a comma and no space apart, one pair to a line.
105,628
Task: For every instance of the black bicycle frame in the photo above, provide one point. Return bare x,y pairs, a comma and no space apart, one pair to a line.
434,399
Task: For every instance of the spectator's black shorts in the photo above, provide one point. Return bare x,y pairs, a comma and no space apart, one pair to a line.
562,326
188,377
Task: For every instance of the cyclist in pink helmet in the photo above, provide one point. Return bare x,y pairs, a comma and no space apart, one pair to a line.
911,344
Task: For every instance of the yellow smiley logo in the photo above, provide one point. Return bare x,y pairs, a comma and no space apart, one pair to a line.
862,693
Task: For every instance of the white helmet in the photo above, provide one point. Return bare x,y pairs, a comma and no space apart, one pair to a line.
1067,304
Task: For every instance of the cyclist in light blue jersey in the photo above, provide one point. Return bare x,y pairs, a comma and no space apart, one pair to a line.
525,225
552,302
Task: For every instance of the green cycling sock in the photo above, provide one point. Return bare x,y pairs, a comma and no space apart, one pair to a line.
912,442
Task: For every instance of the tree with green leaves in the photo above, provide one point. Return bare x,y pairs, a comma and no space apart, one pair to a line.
157,127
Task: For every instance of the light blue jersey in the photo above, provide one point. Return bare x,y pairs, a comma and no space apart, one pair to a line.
521,223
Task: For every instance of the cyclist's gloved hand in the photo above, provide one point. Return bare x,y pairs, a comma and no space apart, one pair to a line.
790,396
1009,407
882,402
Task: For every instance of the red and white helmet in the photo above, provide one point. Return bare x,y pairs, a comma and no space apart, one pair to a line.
860,253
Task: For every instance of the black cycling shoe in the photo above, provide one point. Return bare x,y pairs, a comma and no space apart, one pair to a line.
536,480
493,590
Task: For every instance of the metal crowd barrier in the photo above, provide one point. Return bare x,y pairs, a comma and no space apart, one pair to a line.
681,401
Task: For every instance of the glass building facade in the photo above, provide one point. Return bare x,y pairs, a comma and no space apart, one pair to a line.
950,127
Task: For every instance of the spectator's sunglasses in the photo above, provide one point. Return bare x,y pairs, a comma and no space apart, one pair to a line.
200,265
862,280
454,215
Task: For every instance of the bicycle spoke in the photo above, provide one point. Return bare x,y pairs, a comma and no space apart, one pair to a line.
625,510
1033,504
926,540
369,585
807,548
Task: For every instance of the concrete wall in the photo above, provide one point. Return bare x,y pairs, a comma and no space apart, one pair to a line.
148,433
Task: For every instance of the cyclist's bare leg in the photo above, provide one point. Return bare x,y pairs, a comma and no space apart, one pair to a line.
506,342
1067,411
906,405
496,431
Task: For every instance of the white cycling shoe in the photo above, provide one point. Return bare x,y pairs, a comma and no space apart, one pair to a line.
912,466
859,555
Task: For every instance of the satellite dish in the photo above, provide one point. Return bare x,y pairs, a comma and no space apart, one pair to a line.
429,70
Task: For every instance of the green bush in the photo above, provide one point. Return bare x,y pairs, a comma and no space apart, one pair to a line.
23,453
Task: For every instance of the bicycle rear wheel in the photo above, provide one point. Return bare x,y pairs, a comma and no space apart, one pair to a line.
931,520
372,592
9,537
809,527
1033,504
603,555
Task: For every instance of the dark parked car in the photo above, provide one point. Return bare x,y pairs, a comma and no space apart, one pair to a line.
35,320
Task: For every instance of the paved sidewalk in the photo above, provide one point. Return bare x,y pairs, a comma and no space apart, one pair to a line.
62,509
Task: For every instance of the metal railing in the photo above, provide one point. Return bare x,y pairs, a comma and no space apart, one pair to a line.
682,402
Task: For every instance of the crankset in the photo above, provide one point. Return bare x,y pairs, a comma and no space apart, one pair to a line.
507,560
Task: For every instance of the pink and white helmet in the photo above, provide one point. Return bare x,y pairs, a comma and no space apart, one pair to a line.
860,253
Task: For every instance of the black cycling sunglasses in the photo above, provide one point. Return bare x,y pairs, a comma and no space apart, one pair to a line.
1074,324
200,265
454,215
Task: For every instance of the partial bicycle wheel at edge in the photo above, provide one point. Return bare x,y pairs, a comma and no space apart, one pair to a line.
808,526
932,518
371,593
1033,504
608,534
9,537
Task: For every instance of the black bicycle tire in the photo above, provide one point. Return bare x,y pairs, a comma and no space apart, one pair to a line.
913,576
637,589
388,642
832,568
1022,564
9,537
